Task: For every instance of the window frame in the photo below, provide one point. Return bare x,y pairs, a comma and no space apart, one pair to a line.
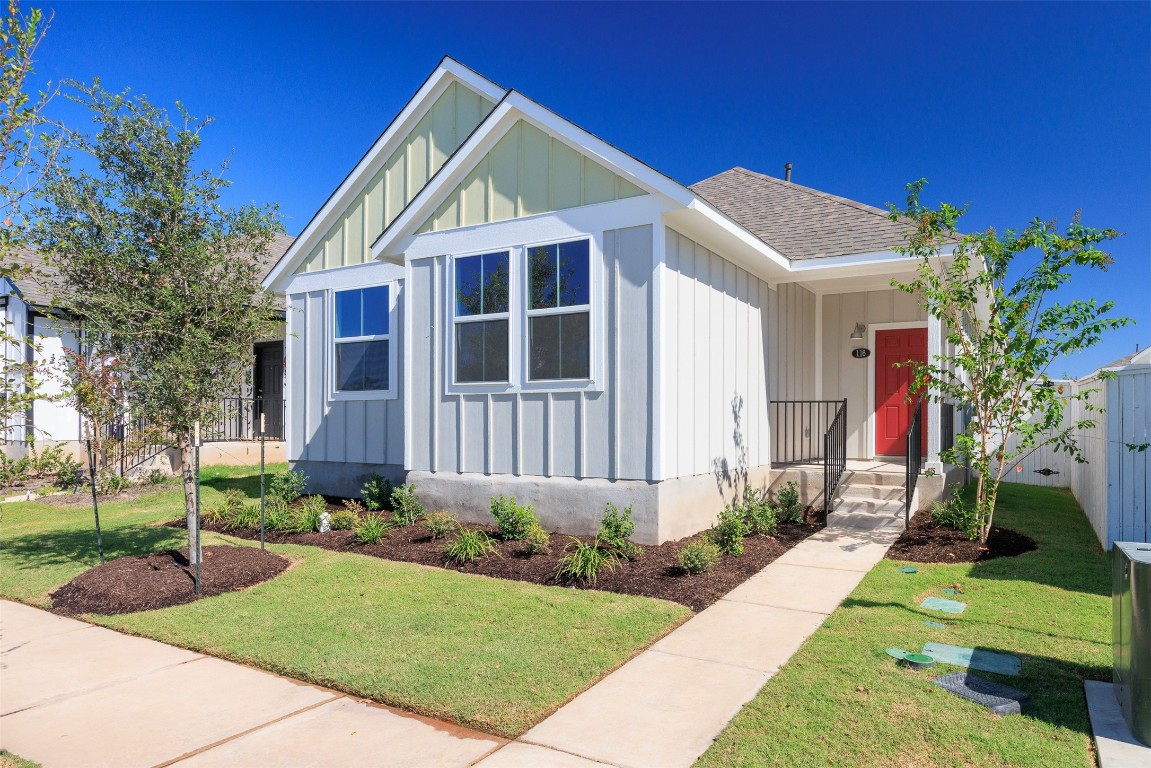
518,323
392,392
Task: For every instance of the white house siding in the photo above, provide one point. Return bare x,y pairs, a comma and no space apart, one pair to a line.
1128,469
14,320
362,435
845,376
55,419
601,434
720,322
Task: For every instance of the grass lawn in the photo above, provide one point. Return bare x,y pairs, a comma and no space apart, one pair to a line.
491,654
842,701
9,760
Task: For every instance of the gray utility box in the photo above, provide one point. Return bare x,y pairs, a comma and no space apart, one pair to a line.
1131,610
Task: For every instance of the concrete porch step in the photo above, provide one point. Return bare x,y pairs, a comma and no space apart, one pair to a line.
867,477
853,491
862,515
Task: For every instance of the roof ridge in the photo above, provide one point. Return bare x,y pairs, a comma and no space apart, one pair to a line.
816,192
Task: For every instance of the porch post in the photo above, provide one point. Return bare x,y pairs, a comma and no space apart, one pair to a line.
934,412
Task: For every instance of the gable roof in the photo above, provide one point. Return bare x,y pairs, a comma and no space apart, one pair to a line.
1135,358
799,222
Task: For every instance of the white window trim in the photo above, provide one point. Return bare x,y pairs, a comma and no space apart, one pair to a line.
392,392
517,317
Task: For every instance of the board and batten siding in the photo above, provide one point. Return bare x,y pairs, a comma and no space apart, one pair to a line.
718,320
319,429
845,376
586,434
526,173
450,120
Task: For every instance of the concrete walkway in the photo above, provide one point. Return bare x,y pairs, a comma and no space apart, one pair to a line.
72,694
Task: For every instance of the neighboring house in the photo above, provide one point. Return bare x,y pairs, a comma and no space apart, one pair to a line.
45,336
1114,485
497,301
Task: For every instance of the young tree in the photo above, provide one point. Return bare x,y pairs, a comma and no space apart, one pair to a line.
1006,328
164,278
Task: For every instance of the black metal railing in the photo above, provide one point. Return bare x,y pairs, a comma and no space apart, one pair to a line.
946,427
797,427
834,455
914,457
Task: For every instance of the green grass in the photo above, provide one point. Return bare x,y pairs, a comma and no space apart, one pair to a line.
491,654
841,701
9,760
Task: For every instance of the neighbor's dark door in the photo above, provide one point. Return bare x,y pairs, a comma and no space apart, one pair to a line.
268,387
892,411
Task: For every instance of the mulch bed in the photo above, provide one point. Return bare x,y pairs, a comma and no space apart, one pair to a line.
925,542
656,573
162,579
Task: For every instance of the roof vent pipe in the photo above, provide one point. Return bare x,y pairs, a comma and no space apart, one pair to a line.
787,171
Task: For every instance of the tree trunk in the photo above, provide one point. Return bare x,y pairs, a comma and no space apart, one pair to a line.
188,473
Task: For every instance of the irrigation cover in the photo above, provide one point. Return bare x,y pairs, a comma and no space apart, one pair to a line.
940,604
935,625
974,658
996,697
909,569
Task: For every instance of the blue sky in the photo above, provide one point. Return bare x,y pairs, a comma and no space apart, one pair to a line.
1023,110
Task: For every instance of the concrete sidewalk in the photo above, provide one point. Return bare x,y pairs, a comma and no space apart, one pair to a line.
73,694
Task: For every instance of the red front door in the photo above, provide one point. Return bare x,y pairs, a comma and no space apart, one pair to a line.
892,411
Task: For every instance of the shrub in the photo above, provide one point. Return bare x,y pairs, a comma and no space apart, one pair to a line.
583,562
347,518
957,513
469,545
440,524
760,515
514,521
614,531
377,493
790,510
287,486
154,477
69,474
109,483
537,539
698,557
309,513
372,528
728,532
406,508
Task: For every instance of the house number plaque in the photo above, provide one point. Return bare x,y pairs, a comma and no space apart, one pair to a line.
860,352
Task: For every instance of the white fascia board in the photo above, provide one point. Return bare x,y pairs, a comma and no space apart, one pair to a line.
447,71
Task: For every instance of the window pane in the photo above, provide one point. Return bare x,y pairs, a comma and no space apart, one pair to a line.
375,308
573,273
348,314
560,347
542,276
362,366
482,351
482,284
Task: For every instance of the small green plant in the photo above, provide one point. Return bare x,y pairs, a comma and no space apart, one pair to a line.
955,512
309,513
155,477
109,483
760,515
537,539
469,545
583,562
406,508
698,557
372,528
729,531
347,518
278,516
513,520
69,474
790,509
440,524
223,511
615,529
287,486
247,516
377,493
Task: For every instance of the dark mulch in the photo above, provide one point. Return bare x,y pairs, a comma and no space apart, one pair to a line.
162,579
83,498
925,542
656,573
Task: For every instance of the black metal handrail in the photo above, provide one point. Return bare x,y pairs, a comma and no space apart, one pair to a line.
834,455
914,458
796,426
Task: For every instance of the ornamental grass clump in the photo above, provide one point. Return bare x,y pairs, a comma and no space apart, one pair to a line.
584,562
309,513
955,512
615,530
372,528
513,520
698,557
469,545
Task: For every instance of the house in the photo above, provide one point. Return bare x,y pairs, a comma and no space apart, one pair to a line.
38,334
1114,485
495,300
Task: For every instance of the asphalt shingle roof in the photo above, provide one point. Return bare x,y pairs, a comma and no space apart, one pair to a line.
797,221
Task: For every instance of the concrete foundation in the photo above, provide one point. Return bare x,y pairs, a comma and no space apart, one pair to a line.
345,478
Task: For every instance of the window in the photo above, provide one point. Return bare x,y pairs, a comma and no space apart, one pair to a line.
559,312
481,318
363,354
